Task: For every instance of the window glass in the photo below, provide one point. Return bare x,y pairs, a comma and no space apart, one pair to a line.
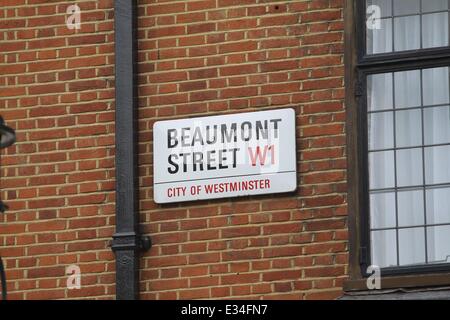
408,128
381,130
384,248
437,125
411,246
409,166
407,89
379,40
404,25
382,173
437,164
434,5
410,208
435,86
438,242
384,5
382,205
407,33
379,90
435,30
403,7
438,205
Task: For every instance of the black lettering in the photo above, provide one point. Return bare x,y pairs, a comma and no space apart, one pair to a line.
235,150
172,140
230,136
197,137
222,159
210,159
174,169
197,159
209,139
185,137
249,131
185,164
262,131
275,126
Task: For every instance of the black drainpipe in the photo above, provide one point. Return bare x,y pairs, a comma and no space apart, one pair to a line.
127,242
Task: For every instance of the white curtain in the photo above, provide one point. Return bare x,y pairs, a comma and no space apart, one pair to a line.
381,136
409,32
437,160
410,92
409,25
435,30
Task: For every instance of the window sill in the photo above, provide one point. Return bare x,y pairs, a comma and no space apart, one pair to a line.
401,282
442,293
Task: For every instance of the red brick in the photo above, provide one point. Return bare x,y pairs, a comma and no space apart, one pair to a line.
195,57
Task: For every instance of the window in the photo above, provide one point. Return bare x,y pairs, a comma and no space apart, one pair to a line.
402,129
408,25
408,130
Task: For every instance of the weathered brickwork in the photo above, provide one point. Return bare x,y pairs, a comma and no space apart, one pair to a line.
216,57
57,91
204,57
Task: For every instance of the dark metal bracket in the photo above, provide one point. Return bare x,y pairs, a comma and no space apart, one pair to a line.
131,241
3,207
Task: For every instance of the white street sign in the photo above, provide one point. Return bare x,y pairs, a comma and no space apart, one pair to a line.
224,156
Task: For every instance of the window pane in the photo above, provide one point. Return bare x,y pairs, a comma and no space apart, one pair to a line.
384,5
407,89
409,167
402,7
408,113
382,172
379,91
384,248
438,239
382,208
438,205
435,30
437,125
381,130
437,164
380,40
414,24
411,246
434,5
435,86
408,125
407,33
410,208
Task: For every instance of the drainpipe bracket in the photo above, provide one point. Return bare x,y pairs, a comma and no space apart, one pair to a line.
130,241
146,243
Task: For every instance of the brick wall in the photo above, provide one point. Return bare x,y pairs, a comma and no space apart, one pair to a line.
57,92
195,58
221,56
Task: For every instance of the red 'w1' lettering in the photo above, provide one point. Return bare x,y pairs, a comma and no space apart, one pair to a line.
254,155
